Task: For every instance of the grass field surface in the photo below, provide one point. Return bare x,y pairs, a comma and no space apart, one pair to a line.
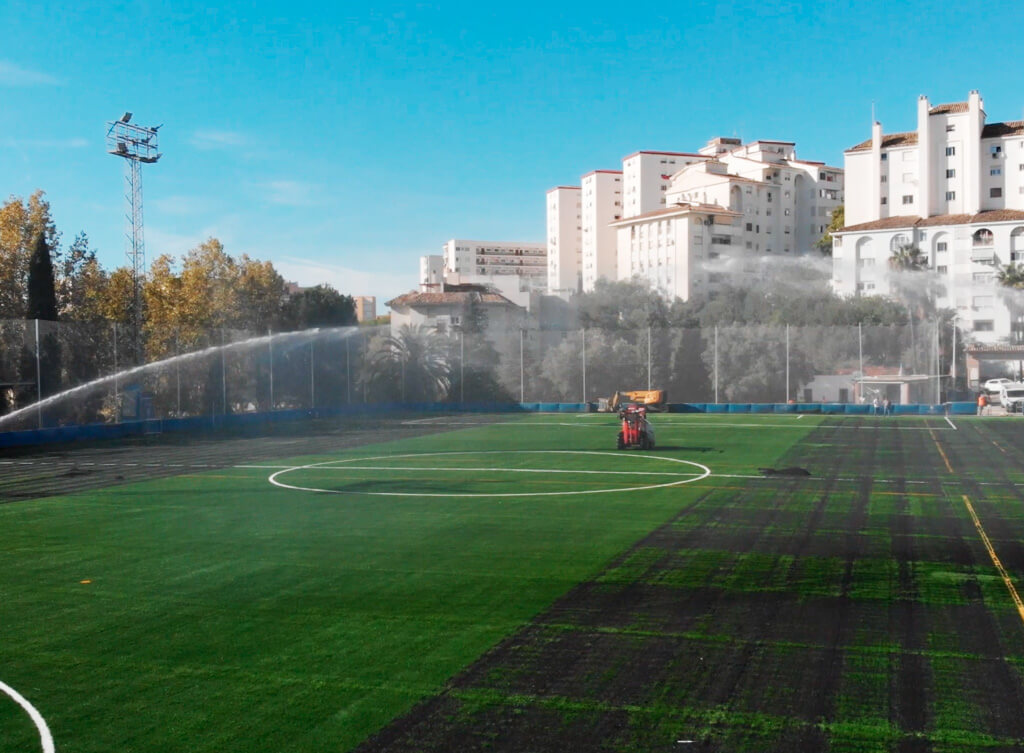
517,584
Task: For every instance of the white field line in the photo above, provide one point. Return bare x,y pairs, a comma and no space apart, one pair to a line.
497,470
44,732
273,478
666,425
950,422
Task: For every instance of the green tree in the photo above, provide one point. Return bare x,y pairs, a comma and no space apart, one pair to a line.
836,223
41,286
752,364
410,366
1011,275
908,258
321,306
21,221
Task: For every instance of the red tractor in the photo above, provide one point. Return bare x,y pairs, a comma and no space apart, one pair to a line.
636,429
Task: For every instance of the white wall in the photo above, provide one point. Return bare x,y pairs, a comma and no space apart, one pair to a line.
601,205
564,244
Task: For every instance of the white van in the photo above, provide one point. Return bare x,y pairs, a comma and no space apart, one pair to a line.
1011,396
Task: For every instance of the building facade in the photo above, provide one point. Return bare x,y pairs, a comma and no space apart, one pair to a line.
601,205
952,189
366,308
725,208
496,259
564,240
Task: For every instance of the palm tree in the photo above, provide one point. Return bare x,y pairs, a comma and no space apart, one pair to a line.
1011,275
411,366
908,258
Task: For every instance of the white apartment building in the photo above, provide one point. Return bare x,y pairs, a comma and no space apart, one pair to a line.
431,271
725,207
954,188
601,205
565,244
483,260
645,178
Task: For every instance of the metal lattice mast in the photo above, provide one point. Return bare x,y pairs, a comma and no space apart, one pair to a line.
137,145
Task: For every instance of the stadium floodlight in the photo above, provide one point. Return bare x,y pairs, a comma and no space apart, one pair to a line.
137,145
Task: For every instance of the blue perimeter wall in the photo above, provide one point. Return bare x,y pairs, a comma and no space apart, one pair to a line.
243,421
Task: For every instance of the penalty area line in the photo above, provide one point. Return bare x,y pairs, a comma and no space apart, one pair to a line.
44,731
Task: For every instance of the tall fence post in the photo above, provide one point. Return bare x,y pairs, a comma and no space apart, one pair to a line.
716,364
648,358
522,372
177,370
583,338
787,363
860,350
117,397
223,375
270,349
348,374
312,378
952,368
39,381
462,366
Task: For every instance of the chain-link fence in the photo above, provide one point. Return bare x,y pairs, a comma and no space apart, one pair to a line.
68,373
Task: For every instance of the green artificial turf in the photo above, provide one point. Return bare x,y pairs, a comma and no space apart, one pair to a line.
224,614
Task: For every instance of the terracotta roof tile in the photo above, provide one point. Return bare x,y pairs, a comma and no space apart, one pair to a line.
889,140
908,221
680,208
1010,128
948,108
447,299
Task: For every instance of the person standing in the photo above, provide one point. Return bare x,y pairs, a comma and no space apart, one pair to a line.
982,403
886,407
874,407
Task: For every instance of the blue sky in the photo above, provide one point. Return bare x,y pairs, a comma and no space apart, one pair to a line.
342,141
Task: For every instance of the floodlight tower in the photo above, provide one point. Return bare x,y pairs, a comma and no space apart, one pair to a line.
137,145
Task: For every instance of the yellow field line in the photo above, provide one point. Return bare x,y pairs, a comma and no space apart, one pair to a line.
995,559
941,451
999,446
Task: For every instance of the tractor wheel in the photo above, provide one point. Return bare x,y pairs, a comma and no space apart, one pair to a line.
645,443
621,445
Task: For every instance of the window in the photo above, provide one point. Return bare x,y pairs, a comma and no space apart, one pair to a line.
769,196
950,195
884,156
885,178
750,226
984,326
885,200
941,246
995,193
837,242
908,199
950,128
950,151
785,212
950,173
996,150
996,171
942,269
982,237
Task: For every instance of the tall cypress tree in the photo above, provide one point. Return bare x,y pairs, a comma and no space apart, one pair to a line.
42,289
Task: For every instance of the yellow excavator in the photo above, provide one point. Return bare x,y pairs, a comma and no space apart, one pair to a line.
652,400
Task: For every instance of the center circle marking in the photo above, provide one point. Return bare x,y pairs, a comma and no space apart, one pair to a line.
274,478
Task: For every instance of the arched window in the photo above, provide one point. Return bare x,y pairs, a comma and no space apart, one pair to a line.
899,241
1017,244
982,237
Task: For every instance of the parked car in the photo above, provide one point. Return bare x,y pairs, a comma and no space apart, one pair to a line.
993,386
1011,397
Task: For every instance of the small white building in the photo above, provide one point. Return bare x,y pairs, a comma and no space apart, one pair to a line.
565,240
443,310
431,270
954,189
